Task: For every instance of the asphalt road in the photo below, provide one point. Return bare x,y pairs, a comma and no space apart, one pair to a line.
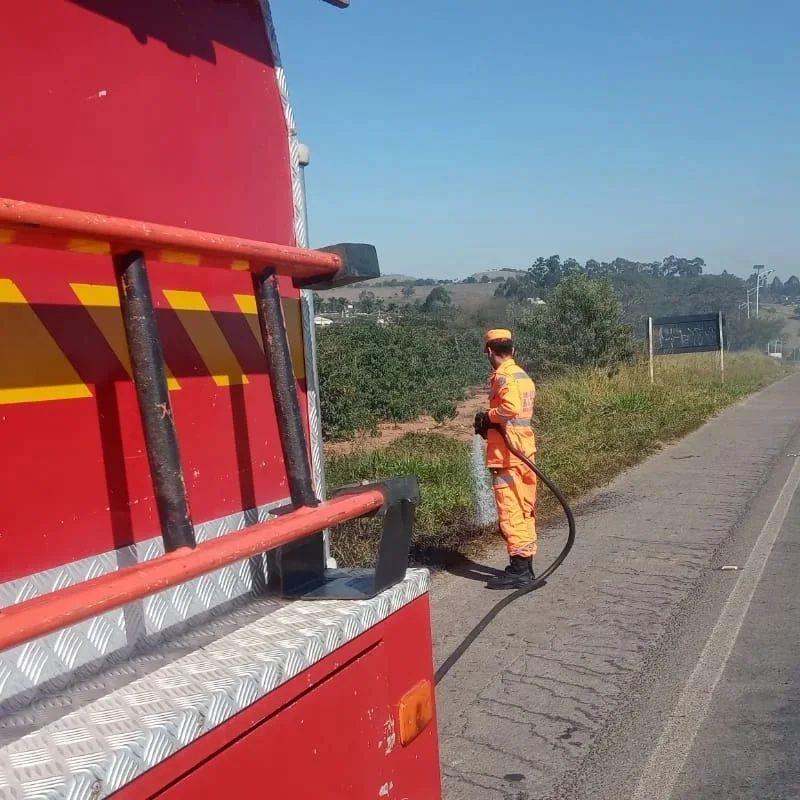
749,743
642,670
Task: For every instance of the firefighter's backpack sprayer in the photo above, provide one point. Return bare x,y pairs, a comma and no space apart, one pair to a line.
482,426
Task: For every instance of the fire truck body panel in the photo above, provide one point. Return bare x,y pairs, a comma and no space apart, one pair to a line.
177,114
173,117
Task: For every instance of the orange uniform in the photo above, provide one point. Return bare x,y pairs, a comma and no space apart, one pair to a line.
511,398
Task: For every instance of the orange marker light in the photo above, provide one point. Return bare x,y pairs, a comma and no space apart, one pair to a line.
415,711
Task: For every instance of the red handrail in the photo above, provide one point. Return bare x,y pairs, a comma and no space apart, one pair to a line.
37,225
51,612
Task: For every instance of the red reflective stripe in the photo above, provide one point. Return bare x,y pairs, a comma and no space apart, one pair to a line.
39,225
30,619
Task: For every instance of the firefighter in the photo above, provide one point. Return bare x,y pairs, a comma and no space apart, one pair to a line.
511,398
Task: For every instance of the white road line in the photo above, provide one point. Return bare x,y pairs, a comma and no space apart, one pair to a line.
670,754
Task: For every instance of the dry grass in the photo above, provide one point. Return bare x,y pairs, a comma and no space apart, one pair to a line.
590,425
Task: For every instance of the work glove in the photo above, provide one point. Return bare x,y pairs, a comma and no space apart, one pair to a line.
482,424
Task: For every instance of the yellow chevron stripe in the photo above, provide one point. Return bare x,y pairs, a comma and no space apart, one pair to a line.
293,317
102,303
32,366
178,257
195,316
93,247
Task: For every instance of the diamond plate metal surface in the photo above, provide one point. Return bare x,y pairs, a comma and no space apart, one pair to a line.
88,741
75,652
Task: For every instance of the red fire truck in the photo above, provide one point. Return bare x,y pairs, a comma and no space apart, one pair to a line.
171,623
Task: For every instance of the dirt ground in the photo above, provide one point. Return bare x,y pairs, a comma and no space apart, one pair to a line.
460,427
465,295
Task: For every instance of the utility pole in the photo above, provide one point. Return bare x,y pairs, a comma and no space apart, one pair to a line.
761,280
749,293
757,268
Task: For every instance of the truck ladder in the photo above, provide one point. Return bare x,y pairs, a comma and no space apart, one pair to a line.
301,567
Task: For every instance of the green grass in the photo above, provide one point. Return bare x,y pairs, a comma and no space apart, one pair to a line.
590,426
445,514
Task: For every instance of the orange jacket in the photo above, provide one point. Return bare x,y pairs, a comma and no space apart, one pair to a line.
511,397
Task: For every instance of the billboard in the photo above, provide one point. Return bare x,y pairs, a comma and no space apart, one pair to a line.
693,333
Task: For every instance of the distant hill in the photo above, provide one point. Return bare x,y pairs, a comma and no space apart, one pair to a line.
392,276
471,291
494,274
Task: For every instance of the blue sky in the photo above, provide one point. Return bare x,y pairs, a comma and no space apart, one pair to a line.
457,136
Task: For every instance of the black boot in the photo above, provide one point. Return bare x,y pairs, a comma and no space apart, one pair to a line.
518,574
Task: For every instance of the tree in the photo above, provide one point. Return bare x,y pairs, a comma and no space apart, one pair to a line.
792,286
594,269
579,326
484,279
744,334
509,288
437,299
546,273
541,277
776,287
407,291
672,266
470,279
367,303
328,305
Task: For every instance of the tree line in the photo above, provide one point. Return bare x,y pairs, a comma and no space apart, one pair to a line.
546,273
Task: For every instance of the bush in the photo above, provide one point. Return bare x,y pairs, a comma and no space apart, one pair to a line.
437,299
745,334
370,373
579,327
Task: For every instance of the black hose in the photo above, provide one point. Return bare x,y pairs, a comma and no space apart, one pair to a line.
451,660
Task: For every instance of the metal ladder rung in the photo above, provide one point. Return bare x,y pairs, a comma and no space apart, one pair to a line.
161,440
150,379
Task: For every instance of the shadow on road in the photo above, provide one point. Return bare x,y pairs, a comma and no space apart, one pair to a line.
456,563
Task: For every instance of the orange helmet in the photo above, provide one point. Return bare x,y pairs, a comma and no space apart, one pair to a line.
496,333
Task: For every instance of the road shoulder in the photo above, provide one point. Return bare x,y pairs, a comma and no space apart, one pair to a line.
529,703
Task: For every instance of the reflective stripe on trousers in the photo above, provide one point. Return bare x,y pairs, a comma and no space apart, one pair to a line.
514,491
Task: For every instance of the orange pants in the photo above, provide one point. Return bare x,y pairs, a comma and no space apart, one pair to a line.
515,496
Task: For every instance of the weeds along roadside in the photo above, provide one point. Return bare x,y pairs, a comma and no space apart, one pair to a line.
590,425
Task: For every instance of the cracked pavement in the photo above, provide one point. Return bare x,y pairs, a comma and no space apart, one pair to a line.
528,708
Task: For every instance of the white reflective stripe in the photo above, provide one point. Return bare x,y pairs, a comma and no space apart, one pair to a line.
502,480
519,423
